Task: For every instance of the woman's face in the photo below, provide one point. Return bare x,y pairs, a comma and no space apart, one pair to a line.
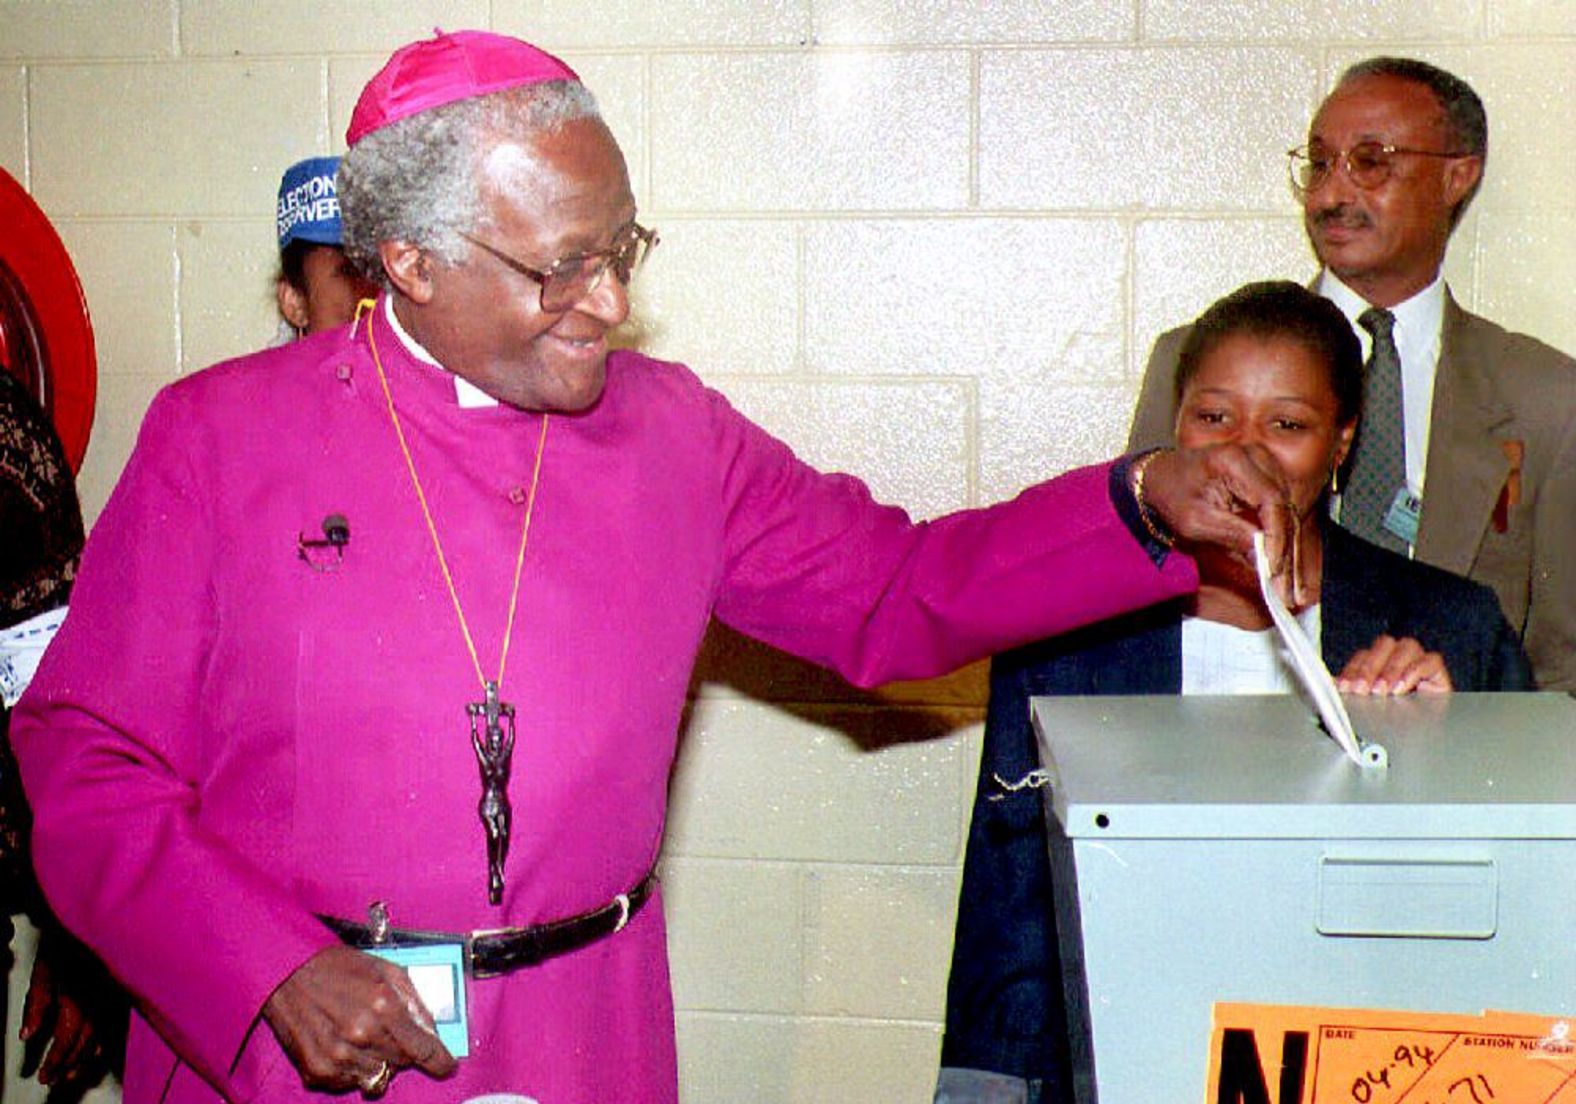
1270,391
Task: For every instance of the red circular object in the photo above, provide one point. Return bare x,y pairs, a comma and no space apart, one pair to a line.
46,336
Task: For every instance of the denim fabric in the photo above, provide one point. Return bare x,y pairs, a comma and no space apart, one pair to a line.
966,1086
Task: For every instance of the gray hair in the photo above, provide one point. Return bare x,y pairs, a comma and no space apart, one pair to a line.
415,180
1466,120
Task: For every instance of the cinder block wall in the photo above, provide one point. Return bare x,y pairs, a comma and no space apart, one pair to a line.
928,243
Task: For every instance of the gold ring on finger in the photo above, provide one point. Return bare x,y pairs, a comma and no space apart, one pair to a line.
375,1086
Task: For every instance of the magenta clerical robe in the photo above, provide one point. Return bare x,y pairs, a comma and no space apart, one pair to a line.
226,739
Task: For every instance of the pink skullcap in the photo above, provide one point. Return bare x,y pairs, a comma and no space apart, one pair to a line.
445,68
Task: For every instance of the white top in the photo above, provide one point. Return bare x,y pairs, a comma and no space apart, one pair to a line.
466,393
1223,659
21,648
1418,324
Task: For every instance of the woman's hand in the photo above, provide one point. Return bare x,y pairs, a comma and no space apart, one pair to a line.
69,1051
1389,667
73,1017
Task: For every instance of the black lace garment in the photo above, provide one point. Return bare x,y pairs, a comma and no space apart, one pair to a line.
40,539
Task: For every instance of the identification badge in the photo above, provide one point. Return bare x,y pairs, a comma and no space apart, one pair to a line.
1401,519
437,972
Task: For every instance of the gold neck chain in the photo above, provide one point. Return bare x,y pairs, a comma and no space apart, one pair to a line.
432,529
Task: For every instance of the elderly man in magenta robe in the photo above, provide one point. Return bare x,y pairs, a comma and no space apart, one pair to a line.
387,633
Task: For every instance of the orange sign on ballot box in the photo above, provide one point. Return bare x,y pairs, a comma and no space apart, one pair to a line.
1284,1054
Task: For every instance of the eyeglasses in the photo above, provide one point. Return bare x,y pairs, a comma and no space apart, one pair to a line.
1368,164
568,280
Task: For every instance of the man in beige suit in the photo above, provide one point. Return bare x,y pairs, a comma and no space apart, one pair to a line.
1488,417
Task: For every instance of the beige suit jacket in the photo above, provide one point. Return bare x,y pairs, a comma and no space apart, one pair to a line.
1508,525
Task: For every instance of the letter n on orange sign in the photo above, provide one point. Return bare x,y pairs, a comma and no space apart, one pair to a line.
1239,1070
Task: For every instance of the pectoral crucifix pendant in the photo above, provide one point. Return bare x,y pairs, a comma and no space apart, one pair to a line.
492,737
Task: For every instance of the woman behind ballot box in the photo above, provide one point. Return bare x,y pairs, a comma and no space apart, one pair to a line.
1272,366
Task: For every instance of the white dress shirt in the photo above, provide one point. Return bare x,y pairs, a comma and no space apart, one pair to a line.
1418,324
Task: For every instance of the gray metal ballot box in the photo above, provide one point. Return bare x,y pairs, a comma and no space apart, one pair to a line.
1224,849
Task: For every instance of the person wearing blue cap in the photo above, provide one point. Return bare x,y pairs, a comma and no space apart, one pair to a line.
317,286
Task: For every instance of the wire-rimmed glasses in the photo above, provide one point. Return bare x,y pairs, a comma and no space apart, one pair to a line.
570,279
1368,164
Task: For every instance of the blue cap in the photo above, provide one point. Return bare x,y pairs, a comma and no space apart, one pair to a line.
309,203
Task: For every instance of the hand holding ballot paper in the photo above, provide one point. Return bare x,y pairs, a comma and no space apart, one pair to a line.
1304,660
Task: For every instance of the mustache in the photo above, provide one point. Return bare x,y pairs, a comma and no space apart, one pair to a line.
1344,215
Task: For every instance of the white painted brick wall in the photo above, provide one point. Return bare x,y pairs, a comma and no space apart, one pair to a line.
929,243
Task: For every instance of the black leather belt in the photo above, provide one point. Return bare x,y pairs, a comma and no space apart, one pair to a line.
499,951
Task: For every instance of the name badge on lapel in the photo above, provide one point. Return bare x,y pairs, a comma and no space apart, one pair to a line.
1402,517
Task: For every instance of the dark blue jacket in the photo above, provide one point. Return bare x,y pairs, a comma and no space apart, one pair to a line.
1004,1007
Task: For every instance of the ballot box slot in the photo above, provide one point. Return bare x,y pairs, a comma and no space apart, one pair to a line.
1408,897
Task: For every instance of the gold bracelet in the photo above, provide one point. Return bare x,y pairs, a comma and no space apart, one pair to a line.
1145,514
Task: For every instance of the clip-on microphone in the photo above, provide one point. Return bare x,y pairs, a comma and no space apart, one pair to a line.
336,535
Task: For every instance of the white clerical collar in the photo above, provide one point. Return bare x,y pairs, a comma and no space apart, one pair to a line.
466,393
1417,320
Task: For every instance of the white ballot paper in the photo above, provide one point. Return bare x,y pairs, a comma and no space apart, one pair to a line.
1311,672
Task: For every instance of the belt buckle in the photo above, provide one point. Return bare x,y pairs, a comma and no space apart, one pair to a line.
378,922
469,945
